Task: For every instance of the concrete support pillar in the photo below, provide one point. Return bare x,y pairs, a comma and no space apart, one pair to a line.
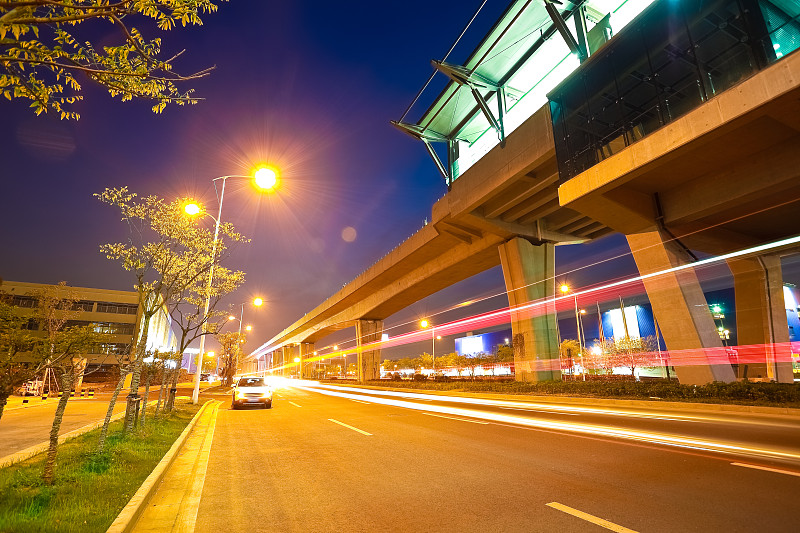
289,353
681,310
369,360
280,360
761,327
529,272
306,352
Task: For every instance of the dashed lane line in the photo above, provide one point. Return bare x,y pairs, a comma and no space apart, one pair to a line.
590,518
349,427
359,401
776,470
291,402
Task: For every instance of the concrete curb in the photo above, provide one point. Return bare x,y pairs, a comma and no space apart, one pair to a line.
605,402
127,518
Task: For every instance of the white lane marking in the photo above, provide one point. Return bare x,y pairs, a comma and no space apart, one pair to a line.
537,411
590,518
291,402
349,427
359,401
543,424
776,470
454,418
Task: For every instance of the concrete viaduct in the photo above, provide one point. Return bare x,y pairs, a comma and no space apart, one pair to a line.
719,177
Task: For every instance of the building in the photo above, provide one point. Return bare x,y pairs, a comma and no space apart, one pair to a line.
115,314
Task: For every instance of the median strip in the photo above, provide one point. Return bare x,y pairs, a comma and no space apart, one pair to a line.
349,427
590,518
767,469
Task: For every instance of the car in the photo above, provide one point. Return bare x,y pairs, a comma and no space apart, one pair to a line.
251,391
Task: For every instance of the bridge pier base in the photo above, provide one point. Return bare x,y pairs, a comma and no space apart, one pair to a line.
529,273
681,309
761,323
369,361
306,351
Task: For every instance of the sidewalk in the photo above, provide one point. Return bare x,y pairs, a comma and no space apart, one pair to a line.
174,505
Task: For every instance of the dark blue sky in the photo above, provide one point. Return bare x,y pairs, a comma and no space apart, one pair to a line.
308,86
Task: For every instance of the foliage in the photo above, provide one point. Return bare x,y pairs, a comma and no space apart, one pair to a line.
46,44
24,354
171,257
230,353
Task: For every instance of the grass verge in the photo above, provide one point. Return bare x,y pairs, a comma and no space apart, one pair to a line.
740,392
90,489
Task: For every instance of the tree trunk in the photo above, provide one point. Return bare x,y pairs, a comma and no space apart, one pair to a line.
161,390
141,346
110,411
50,464
3,401
146,394
173,384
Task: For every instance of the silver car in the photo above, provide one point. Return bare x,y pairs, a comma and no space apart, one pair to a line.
251,391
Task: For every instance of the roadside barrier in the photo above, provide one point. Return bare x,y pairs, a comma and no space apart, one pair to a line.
91,393
24,400
44,396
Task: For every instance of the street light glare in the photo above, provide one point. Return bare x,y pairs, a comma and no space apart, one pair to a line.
424,323
249,328
192,209
210,354
565,289
231,317
258,302
296,359
266,178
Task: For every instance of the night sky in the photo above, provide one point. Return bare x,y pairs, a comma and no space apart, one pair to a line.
307,86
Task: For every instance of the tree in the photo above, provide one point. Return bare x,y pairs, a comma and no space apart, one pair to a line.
175,263
45,45
24,355
14,340
230,353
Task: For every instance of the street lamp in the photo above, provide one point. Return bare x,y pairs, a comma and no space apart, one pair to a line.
578,326
265,179
424,323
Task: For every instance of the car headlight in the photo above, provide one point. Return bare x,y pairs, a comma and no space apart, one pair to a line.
239,394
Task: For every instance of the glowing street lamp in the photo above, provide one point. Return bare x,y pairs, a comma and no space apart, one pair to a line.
424,323
192,209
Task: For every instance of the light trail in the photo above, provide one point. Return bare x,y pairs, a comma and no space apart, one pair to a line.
549,305
650,437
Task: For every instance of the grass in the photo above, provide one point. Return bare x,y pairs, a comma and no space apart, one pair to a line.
90,489
740,392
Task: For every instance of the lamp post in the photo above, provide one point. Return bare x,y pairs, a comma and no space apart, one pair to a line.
258,302
425,323
265,179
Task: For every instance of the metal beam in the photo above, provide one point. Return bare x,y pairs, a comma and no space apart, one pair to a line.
465,77
562,28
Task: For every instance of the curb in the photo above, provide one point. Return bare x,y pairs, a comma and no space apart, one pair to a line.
127,518
606,402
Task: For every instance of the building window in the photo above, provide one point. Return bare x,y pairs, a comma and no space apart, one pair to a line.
84,305
120,309
28,302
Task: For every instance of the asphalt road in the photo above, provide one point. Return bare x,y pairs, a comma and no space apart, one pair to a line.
327,463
